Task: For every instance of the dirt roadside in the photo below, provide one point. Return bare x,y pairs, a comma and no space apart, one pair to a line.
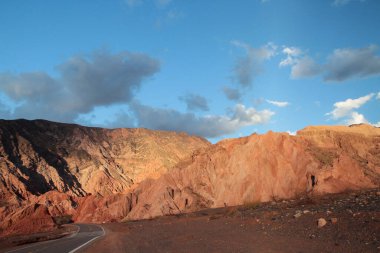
352,225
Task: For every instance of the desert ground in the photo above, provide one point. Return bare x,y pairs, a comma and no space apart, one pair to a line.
352,225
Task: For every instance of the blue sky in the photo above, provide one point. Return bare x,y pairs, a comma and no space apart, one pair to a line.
212,68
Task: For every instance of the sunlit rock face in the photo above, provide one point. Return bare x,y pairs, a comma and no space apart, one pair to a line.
41,157
266,167
100,175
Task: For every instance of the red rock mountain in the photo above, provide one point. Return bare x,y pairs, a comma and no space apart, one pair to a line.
134,174
40,157
266,167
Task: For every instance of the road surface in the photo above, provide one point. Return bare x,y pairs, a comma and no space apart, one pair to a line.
87,234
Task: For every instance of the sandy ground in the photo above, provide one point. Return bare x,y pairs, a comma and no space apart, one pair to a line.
283,226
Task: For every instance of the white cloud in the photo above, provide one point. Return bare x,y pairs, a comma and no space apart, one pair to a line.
291,53
278,103
250,65
345,108
301,64
292,132
378,95
356,118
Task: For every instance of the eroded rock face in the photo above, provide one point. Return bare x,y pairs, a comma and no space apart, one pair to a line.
28,219
266,167
56,164
252,169
40,156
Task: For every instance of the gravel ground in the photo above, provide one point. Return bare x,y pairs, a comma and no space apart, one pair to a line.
351,223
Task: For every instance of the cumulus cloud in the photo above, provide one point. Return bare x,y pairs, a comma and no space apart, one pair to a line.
84,82
195,102
305,67
206,126
301,64
231,93
250,65
278,103
356,118
348,63
341,65
378,95
291,54
345,108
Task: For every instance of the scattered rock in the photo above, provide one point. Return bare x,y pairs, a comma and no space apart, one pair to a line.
297,215
334,220
321,222
306,211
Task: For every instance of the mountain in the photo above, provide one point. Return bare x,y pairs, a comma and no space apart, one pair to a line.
97,175
40,157
267,167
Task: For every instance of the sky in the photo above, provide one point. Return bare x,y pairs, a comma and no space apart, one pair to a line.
217,69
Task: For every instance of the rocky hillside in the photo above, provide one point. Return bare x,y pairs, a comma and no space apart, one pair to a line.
265,167
60,164
40,156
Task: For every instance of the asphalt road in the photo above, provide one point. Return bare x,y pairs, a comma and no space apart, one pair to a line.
87,234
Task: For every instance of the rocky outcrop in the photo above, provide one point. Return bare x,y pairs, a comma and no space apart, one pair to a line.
40,156
266,167
176,173
62,166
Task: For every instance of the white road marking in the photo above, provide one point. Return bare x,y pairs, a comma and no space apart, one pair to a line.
88,242
71,236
